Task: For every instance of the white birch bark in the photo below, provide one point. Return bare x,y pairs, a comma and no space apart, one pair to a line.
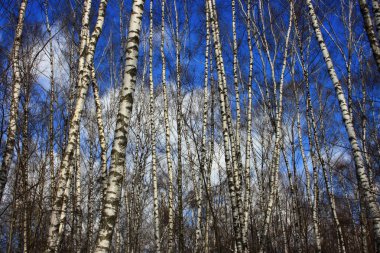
51,104
24,162
16,88
197,191
247,195
341,245
156,216
225,126
82,88
115,177
181,239
363,229
90,199
368,26
364,186
206,162
312,203
78,201
235,140
318,248
376,12
237,174
278,140
99,121
167,135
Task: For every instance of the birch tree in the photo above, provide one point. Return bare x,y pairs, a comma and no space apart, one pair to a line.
239,147
167,134
362,177
112,196
16,88
157,238
83,83
370,30
226,126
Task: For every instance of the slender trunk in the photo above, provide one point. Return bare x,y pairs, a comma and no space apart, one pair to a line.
118,156
83,83
209,208
99,121
374,43
312,203
362,178
197,192
128,209
204,129
278,139
24,164
363,219
16,88
167,134
90,198
376,11
51,104
363,227
13,215
303,155
304,161
135,198
247,195
156,215
181,239
317,143
293,201
64,182
226,131
118,236
237,173
78,210
282,220
315,184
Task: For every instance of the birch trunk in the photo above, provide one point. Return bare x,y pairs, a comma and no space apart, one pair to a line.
77,197
315,184
237,174
167,134
13,215
376,11
363,219
247,195
368,26
16,88
58,215
99,121
115,178
197,192
278,140
312,203
235,140
181,239
331,198
204,139
82,88
303,155
369,198
51,105
24,164
90,199
209,207
156,215
293,203
225,126
363,227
